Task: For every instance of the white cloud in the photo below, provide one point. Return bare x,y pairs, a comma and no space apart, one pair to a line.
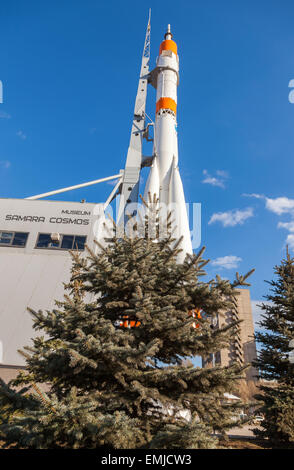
290,241
278,205
287,225
290,227
218,180
5,164
227,262
21,135
257,196
232,218
4,115
222,173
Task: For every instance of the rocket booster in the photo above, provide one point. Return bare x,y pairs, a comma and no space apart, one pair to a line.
164,178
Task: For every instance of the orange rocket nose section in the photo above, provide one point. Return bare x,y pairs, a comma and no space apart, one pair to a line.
166,103
168,45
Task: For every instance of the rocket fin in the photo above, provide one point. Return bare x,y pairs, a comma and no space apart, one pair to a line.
152,184
179,212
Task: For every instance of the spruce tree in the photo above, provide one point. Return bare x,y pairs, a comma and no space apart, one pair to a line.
108,369
276,396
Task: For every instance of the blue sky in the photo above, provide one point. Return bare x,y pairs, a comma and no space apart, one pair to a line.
69,71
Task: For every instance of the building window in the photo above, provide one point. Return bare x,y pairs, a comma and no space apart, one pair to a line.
65,242
18,239
45,241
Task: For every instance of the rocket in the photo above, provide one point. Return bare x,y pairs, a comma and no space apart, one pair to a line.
164,178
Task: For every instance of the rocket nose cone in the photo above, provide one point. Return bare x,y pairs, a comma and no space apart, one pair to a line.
168,34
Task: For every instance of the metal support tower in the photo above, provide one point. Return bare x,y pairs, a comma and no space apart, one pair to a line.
131,176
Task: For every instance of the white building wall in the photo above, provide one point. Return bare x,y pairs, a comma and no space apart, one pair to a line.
32,277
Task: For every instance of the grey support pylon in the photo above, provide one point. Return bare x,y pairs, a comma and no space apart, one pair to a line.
131,176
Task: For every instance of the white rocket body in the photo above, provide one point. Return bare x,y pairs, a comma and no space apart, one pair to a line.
164,178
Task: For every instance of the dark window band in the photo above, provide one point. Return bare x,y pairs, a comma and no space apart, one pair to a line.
65,242
17,239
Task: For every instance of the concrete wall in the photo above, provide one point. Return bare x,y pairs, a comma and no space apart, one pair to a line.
243,349
8,373
247,331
